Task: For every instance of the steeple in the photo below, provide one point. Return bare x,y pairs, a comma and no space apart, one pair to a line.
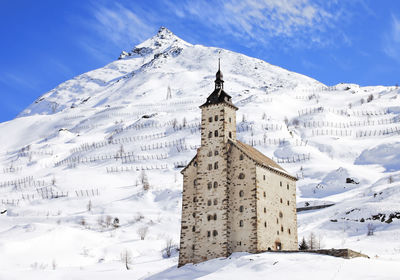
219,82
219,95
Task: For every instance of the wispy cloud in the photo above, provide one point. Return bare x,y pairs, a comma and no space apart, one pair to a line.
391,44
297,22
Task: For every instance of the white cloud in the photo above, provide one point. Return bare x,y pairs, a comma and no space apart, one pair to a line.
304,22
392,40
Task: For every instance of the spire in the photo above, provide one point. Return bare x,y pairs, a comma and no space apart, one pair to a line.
219,78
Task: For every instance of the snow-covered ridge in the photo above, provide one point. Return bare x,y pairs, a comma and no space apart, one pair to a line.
80,156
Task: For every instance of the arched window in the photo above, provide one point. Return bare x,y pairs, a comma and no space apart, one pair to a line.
241,176
241,193
215,201
216,165
241,223
288,230
209,185
282,228
215,217
288,203
215,184
215,233
241,157
194,182
241,208
265,224
216,133
265,210
280,215
210,134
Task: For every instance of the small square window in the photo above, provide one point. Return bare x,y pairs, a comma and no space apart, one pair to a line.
210,119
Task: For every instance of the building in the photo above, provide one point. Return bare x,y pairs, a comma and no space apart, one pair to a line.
235,198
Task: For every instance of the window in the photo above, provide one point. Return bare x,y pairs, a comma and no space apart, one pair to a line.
216,165
210,119
265,194
288,202
241,157
215,184
210,153
282,228
241,176
230,120
215,201
216,153
193,228
288,230
230,134
215,217
216,133
241,223
277,232
210,134
210,166
280,215
239,243
209,202
265,224
280,183
195,163
193,247
208,217
215,233
208,233
277,221
216,118
281,200
241,208
287,186
194,182
264,177
194,215
265,210
194,199
241,193
209,185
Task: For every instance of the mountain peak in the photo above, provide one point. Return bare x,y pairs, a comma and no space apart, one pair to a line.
163,40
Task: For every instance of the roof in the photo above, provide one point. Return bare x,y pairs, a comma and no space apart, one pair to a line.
260,158
219,96
190,162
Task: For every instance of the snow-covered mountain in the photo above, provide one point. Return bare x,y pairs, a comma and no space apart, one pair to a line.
75,166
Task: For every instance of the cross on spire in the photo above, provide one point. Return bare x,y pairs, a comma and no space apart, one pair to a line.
219,78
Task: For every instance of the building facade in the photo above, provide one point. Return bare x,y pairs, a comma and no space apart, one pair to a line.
235,199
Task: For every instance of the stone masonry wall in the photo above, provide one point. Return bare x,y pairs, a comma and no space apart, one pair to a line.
242,202
276,208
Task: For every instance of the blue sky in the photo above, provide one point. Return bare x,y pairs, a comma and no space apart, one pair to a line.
46,42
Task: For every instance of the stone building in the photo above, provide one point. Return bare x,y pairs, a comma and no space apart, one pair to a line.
235,199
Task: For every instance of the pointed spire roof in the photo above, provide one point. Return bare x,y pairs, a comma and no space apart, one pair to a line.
219,95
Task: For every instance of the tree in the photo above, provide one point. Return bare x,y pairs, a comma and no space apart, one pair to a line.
312,241
169,246
370,229
184,122
286,120
362,101
303,245
390,180
126,258
144,180
89,206
142,232
174,123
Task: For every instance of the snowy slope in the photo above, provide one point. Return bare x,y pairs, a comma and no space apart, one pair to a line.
75,159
